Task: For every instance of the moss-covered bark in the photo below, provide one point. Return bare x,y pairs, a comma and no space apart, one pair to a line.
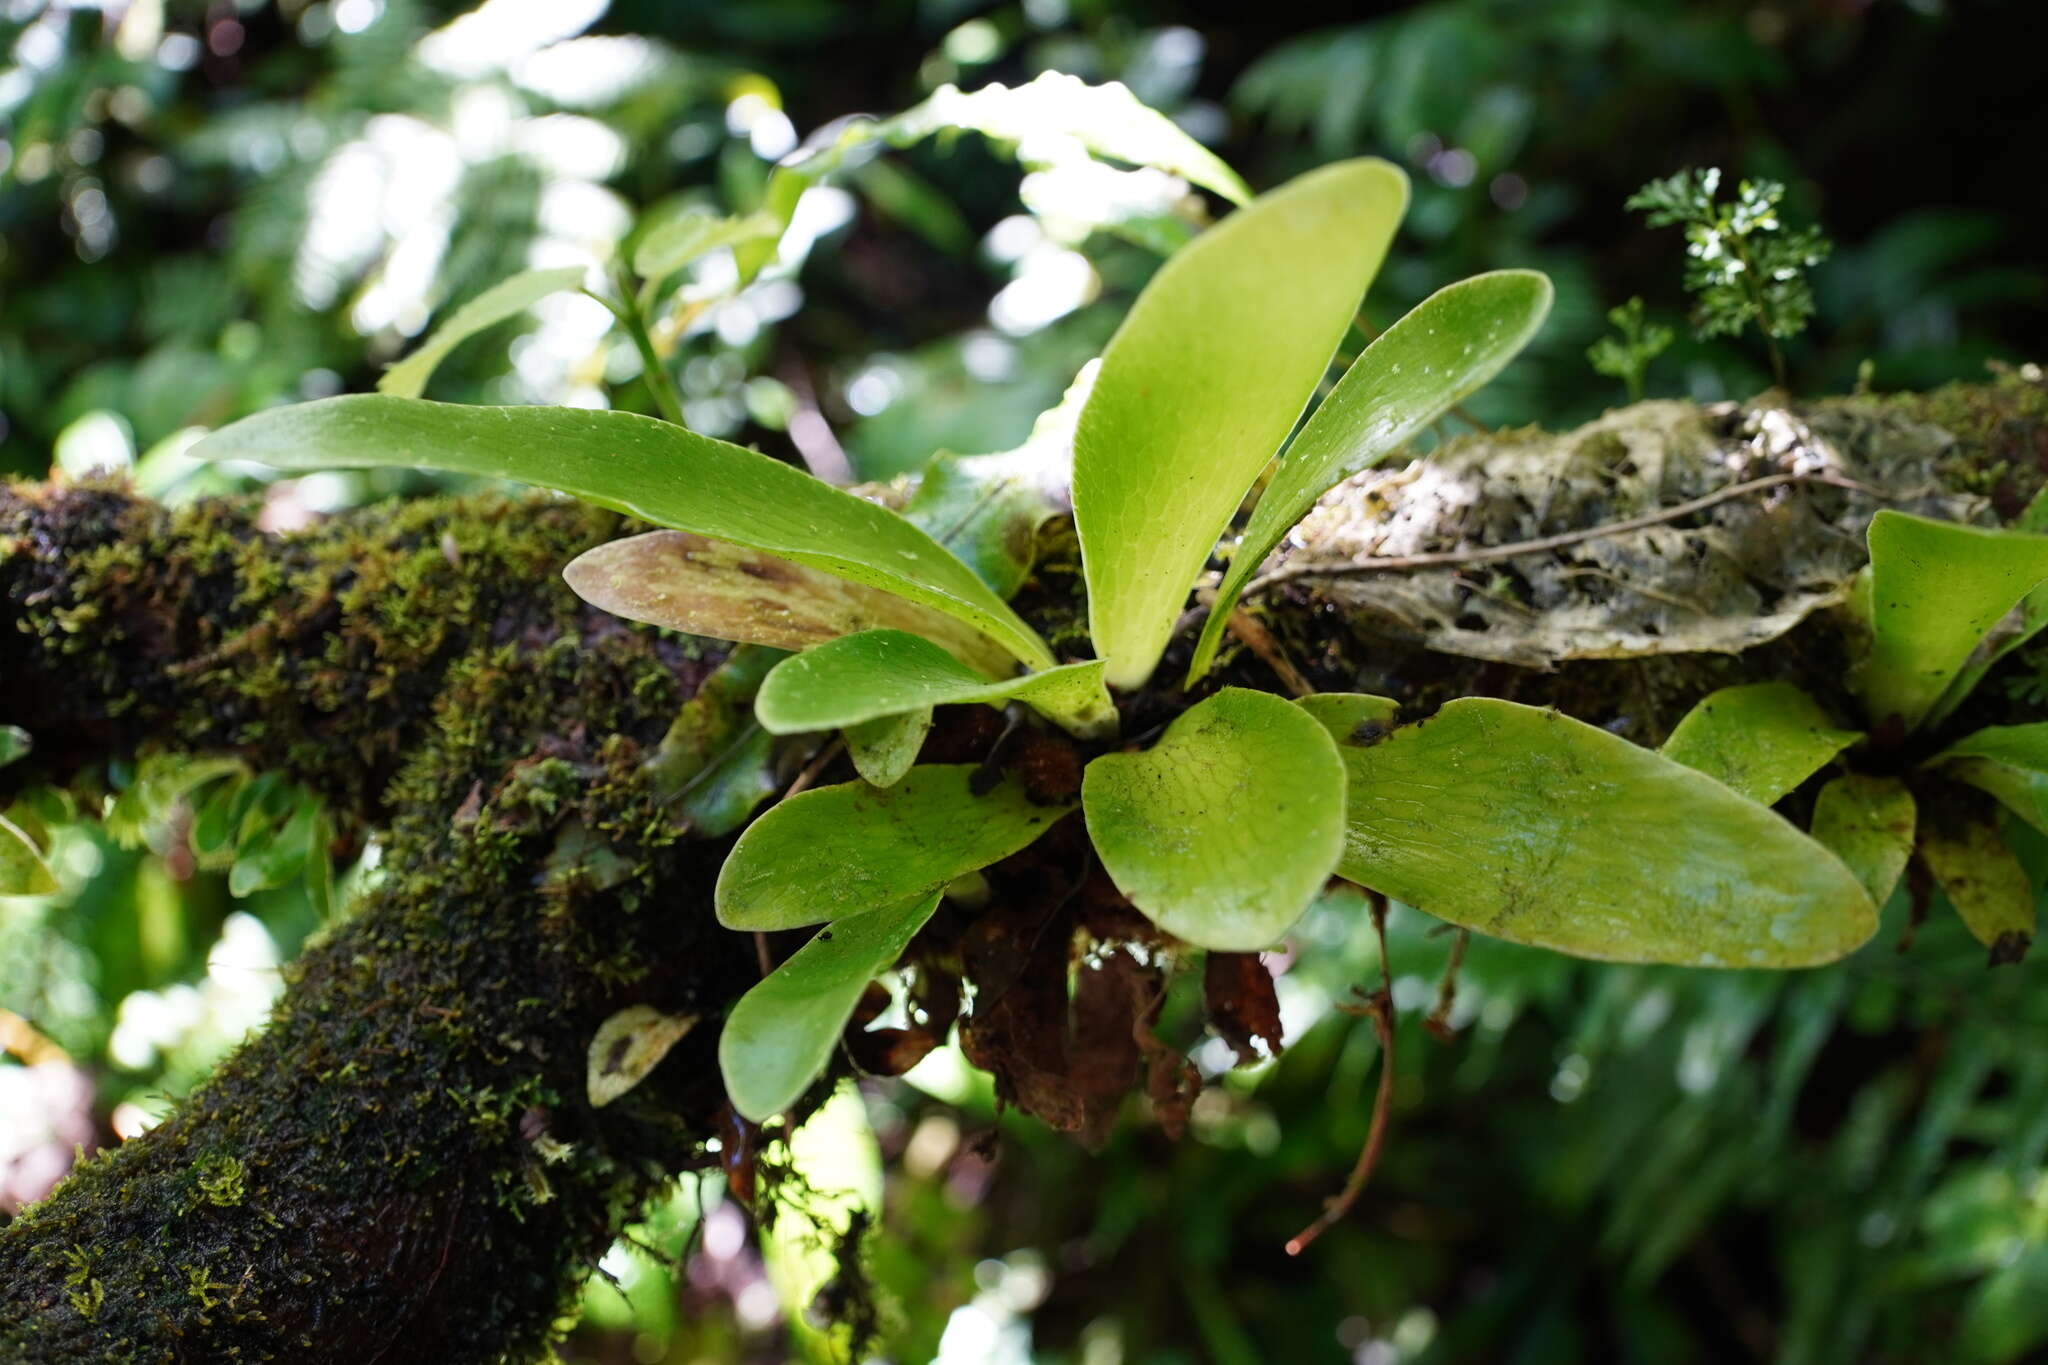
403,1167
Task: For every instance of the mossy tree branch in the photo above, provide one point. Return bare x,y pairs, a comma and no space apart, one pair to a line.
403,1166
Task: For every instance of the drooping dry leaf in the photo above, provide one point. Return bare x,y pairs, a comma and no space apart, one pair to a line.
629,1045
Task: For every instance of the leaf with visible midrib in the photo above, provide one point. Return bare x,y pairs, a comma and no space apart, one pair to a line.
638,465
505,299
22,869
779,1037
1202,382
1530,826
880,673
853,848
1225,830
1447,347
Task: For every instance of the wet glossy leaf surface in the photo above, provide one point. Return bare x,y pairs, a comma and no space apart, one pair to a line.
1760,739
853,848
647,468
1225,830
1447,347
886,672
1533,827
1201,383
780,1036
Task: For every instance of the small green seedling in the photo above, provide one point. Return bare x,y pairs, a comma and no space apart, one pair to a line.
1627,357
1744,265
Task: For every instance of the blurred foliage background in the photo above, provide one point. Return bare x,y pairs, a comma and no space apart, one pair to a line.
212,207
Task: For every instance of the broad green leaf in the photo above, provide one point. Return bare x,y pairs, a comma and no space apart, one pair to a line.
1530,826
1936,589
726,794
1201,383
887,672
650,469
1452,343
1761,739
885,748
853,848
160,781
22,869
713,718
1351,717
2014,629
1225,830
1868,823
983,510
14,743
1053,109
626,1047
217,822
505,299
779,1037
273,856
2008,761
1970,858
692,233
728,592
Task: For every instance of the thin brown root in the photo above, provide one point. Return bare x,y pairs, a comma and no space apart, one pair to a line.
1439,1021
1379,1008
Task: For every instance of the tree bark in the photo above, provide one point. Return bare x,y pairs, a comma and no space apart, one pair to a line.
403,1166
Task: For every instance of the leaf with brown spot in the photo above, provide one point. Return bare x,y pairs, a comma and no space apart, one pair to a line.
629,1045
1961,844
715,588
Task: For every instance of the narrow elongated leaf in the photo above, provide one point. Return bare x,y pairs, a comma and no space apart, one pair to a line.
651,469
1761,739
692,233
1936,588
729,592
1536,828
779,1037
1453,342
1203,380
1868,823
853,848
505,299
887,672
2008,761
22,869
1225,830
1968,855
885,748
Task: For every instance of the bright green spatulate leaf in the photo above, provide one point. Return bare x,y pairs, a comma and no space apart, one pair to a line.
506,299
22,869
1936,589
853,848
1203,381
2008,761
729,592
1225,830
1968,855
779,1037
651,469
886,672
1539,829
1452,343
1868,823
885,748
1762,739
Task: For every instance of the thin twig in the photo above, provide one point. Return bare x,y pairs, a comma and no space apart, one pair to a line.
1253,635
659,382
1486,554
1379,1009
811,770
1439,1021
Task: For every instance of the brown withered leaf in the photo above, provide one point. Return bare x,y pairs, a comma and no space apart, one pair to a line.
1238,996
711,587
